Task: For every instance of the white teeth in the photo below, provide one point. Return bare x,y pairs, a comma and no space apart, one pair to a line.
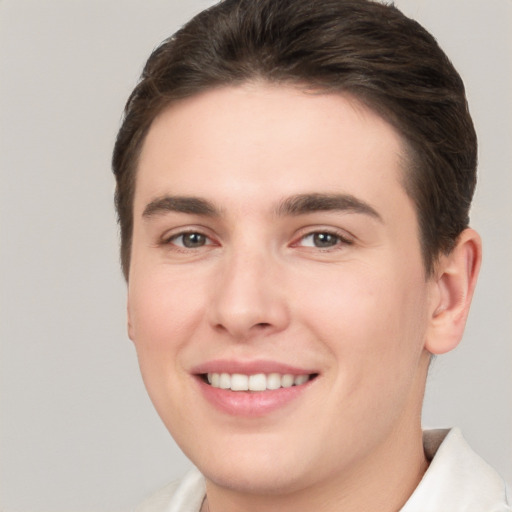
287,381
273,381
225,381
239,382
256,382
300,379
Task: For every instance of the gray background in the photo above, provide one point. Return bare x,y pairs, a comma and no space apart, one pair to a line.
77,430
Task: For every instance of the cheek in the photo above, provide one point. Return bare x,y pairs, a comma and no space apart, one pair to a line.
162,309
373,327
367,317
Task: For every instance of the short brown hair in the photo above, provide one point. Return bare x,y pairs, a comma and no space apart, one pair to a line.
360,47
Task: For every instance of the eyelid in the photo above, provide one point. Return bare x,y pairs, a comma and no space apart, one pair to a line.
169,236
344,237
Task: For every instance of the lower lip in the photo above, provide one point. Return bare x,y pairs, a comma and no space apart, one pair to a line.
251,403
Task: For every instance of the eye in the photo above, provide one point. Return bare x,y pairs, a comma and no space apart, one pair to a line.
322,240
190,240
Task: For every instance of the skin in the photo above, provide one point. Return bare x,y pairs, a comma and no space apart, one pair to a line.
360,312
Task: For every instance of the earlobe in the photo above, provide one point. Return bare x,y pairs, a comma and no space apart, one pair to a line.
452,292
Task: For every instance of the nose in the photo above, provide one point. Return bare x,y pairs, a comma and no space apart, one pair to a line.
249,296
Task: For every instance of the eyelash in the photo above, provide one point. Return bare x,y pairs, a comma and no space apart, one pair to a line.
340,240
170,240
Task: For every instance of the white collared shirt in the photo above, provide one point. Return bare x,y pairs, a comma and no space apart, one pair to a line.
457,480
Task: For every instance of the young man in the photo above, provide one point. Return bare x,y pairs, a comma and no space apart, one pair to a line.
293,186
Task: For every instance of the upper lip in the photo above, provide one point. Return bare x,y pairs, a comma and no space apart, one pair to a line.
249,367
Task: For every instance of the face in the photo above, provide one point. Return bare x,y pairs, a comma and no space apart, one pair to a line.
275,249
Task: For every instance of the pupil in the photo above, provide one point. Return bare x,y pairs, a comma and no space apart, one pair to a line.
193,240
324,239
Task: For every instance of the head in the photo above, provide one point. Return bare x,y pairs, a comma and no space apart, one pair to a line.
369,50
293,185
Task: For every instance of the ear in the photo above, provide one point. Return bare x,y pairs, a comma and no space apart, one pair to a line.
452,290
129,321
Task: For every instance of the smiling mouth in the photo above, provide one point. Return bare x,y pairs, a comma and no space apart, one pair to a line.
255,382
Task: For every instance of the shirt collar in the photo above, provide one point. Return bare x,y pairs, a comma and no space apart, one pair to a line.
457,479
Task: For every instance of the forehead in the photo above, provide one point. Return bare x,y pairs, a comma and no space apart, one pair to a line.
240,140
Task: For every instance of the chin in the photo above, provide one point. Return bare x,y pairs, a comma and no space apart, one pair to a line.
261,465
254,478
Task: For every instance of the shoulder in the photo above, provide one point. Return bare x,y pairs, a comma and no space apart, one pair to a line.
184,495
457,479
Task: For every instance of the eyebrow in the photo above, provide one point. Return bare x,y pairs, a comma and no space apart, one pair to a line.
309,203
295,205
180,204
